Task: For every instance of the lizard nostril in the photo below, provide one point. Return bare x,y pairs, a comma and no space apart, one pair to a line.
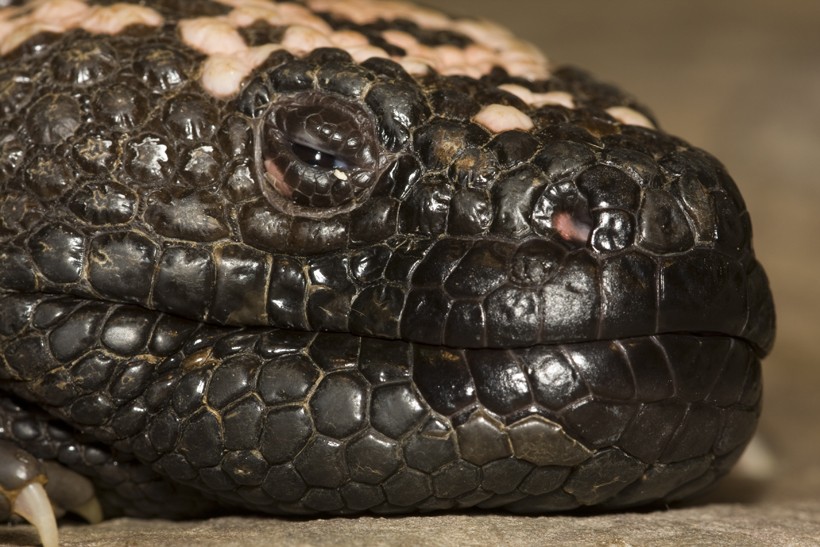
563,211
570,227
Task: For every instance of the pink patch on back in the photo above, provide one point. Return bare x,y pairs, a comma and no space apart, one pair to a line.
362,53
628,116
60,11
499,118
58,16
348,39
301,40
556,98
222,75
12,35
212,36
246,12
303,32
116,17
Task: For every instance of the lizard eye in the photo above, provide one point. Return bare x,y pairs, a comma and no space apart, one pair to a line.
318,158
317,155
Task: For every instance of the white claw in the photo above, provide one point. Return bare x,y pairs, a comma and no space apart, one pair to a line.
91,511
32,504
758,462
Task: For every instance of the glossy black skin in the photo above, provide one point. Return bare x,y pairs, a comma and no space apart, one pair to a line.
431,340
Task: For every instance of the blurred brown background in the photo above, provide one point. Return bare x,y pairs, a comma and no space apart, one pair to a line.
742,80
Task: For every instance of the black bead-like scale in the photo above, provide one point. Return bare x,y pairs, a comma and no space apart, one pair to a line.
442,337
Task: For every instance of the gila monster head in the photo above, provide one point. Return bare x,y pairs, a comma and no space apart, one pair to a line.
341,256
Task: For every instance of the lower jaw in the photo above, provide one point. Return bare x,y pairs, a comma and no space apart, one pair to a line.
292,422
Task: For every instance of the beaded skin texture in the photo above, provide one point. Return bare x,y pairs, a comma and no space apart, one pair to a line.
355,278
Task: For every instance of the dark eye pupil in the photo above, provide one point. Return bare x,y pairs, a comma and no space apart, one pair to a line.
315,158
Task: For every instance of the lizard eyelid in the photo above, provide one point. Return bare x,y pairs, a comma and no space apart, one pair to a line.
317,154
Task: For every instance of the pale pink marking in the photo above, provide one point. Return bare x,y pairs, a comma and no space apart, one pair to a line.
114,18
246,12
499,118
485,32
368,11
414,65
628,116
222,75
58,16
479,54
447,56
301,40
361,54
349,38
212,36
516,56
218,36
419,53
12,36
475,60
61,11
401,39
558,98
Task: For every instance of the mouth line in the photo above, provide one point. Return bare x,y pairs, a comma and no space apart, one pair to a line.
82,299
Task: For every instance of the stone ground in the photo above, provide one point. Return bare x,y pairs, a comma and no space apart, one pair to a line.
742,80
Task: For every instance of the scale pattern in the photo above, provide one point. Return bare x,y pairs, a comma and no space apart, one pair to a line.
294,422
464,296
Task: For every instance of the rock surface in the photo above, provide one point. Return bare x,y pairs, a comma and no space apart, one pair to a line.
721,524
